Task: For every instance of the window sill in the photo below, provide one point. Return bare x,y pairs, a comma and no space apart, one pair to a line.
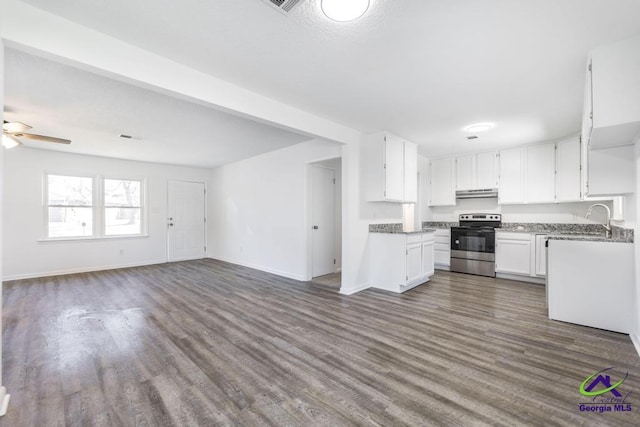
92,238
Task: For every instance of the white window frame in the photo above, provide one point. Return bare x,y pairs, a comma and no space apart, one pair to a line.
47,205
98,206
103,207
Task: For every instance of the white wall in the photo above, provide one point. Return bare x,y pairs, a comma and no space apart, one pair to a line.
636,328
258,209
26,256
558,212
3,391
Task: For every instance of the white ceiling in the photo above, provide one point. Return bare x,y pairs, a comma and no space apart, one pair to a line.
423,69
93,111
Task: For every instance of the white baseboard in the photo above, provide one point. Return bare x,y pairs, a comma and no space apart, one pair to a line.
354,289
635,339
4,401
286,274
79,270
529,279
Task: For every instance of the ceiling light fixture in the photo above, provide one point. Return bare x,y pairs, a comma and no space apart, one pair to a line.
479,127
9,141
344,10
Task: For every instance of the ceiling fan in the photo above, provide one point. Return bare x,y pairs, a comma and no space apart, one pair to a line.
12,131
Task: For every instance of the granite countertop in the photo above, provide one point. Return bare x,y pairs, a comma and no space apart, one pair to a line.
396,229
591,238
555,231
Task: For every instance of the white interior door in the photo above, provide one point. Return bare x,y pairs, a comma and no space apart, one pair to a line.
186,220
322,217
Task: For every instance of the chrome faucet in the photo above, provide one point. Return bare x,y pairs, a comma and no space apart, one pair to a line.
606,226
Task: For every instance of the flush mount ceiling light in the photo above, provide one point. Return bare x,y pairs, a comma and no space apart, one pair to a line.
479,127
344,10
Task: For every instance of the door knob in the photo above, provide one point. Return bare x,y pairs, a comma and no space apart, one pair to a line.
315,227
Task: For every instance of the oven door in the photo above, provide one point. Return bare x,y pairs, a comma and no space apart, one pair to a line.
480,242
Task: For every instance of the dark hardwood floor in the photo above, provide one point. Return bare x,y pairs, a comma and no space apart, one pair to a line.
209,343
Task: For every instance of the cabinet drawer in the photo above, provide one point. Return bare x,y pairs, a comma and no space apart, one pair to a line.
427,237
443,239
501,235
444,247
414,238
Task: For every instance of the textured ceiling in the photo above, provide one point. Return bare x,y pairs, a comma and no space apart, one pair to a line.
420,68
93,111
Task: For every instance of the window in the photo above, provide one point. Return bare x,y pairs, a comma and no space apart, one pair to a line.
69,206
122,207
93,207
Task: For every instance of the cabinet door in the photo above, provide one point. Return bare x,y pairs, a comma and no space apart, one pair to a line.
486,171
414,262
568,170
541,255
541,170
442,183
611,171
410,172
465,172
511,189
393,169
428,261
513,256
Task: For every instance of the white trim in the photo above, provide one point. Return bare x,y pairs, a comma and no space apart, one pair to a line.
354,289
635,339
517,277
205,213
288,275
81,270
4,401
92,238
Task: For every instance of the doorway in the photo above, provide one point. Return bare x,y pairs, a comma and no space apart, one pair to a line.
326,220
186,220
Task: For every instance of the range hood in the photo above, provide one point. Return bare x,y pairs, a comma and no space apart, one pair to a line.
477,194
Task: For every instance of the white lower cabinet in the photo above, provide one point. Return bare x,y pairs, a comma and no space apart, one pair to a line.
399,262
540,255
513,253
521,255
592,284
442,249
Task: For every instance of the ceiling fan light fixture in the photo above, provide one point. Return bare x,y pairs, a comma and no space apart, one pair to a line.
478,127
344,10
9,141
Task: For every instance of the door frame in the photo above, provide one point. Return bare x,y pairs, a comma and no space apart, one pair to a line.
309,212
206,215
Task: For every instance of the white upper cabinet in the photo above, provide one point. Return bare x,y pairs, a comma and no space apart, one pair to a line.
391,168
612,110
540,173
465,172
487,170
568,170
512,164
442,183
611,171
476,171
410,172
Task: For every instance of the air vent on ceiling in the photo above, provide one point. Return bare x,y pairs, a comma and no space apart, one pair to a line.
283,6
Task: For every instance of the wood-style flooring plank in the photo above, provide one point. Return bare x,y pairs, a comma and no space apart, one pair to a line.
210,343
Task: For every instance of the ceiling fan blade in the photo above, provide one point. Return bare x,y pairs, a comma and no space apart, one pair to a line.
43,138
14,127
10,141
